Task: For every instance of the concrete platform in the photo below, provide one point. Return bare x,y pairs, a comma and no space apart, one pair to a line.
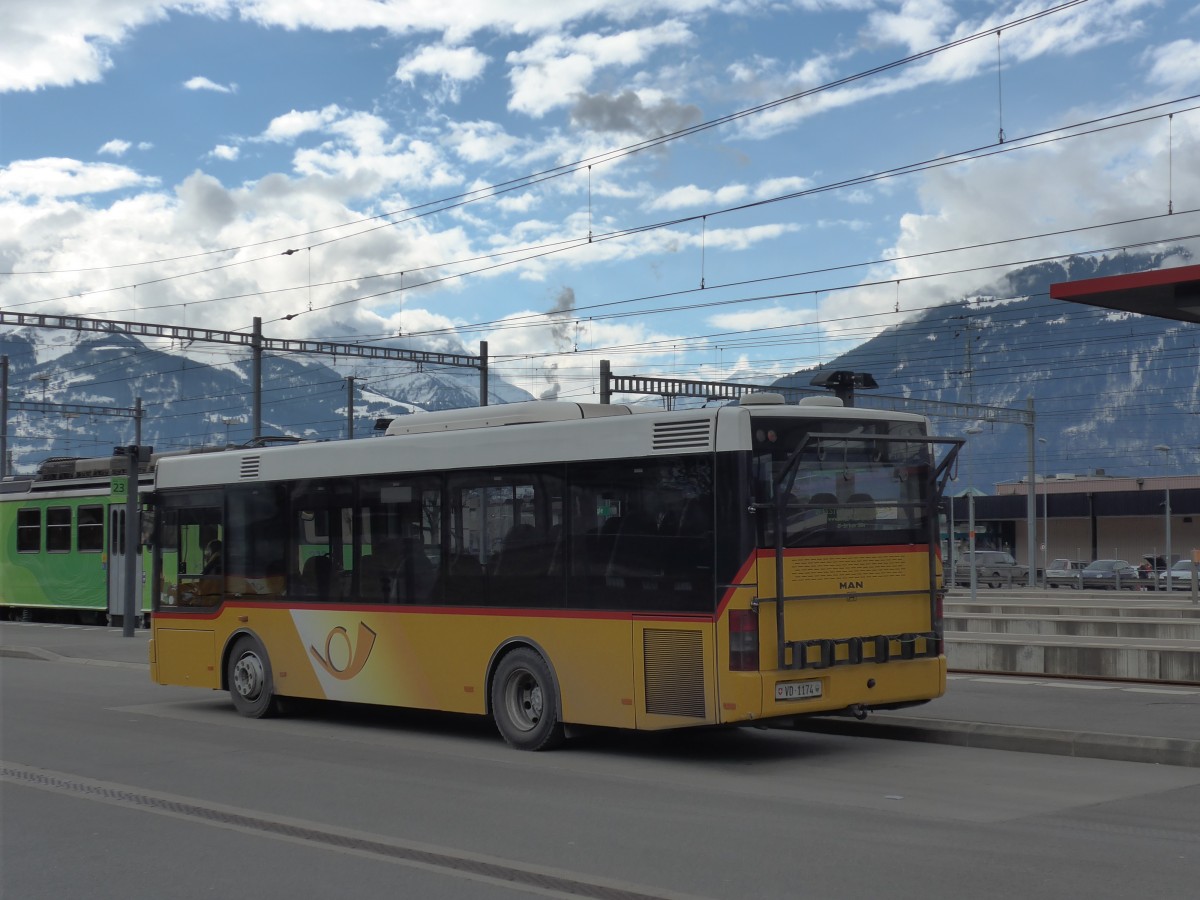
1112,635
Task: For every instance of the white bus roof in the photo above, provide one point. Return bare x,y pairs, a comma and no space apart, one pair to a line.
533,433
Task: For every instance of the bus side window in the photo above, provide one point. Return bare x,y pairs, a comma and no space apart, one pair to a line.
256,542
319,564
401,533
188,524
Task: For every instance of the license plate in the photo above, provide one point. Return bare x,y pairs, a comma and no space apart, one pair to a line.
797,690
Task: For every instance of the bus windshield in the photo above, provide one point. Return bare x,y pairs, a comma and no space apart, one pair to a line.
842,483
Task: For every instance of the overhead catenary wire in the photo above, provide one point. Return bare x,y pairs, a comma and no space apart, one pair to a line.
454,201
538,251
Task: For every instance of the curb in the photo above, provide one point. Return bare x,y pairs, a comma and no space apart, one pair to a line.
1020,738
50,656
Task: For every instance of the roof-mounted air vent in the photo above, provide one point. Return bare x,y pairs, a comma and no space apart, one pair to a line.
683,434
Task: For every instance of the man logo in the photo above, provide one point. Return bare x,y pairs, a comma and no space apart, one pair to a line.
344,662
850,585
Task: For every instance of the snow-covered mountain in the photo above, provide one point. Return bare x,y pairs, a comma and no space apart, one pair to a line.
193,396
1107,387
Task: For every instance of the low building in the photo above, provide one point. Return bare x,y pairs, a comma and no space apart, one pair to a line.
1087,517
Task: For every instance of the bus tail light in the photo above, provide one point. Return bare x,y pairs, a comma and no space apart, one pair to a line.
743,640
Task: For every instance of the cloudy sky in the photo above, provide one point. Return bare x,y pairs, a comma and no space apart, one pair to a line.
703,188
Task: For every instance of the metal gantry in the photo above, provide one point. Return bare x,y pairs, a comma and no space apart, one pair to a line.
255,341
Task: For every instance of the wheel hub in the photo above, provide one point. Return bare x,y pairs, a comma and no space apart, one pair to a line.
525,701
248,676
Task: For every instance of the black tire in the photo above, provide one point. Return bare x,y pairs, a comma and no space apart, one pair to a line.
525,701
996,583
248,674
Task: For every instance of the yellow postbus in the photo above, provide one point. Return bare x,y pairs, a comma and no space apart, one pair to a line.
552,564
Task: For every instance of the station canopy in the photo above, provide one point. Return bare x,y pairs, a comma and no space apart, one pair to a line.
1163,293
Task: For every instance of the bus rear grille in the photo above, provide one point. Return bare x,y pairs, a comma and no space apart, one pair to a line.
250,466
692,434
674,663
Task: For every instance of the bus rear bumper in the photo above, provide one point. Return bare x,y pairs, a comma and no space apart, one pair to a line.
751,696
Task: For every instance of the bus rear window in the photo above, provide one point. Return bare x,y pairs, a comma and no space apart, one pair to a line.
842,483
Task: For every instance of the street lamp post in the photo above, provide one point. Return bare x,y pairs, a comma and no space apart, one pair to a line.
1165,451
973,430
1045,510
951,548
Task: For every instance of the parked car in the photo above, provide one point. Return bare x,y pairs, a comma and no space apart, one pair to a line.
1065,573
993,568
1111,573
1177,577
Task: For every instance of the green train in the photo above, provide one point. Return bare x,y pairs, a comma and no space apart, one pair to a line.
62,542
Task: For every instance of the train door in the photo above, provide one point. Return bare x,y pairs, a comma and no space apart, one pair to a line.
116,565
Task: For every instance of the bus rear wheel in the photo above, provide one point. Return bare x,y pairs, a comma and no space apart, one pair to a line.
248,674
525,702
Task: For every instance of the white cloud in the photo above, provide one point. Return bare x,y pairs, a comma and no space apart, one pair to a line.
693,197
690,196
62,42
115,147
54,177
916,24
555,69
1071,185
1175,66
477,142
775,187
923,24
768,317
517,203
200,83
451,66
226,152
292,124
460,19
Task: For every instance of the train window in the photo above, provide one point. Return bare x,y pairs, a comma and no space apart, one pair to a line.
89,530
58,529
29,530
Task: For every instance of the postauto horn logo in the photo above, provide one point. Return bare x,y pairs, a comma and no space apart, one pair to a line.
344,662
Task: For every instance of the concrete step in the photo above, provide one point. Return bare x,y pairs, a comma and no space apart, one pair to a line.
1152,636
1019,592
1146,611
1076,626
1149,659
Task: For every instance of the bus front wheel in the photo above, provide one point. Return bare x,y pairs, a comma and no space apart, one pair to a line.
525,701
248,674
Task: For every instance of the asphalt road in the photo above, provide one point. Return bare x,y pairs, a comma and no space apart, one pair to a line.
114,787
